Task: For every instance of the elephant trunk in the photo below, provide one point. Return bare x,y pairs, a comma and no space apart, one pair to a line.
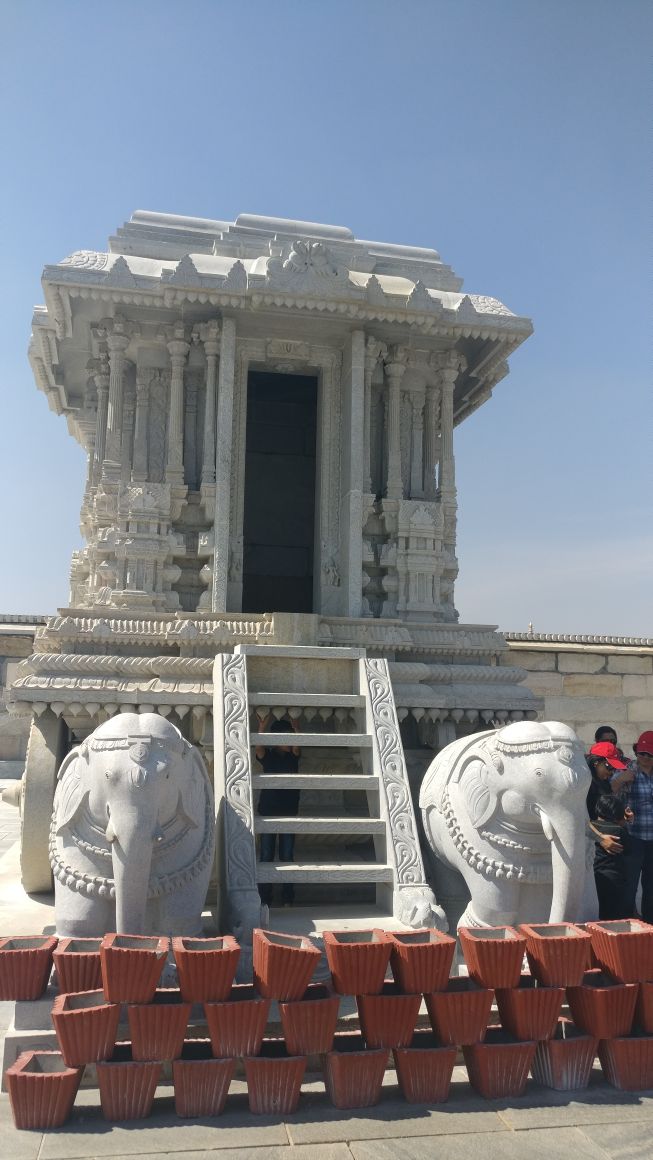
132,859
566,833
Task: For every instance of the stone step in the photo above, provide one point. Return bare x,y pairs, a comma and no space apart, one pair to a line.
326,740
327,781
308,700
301,825
328,872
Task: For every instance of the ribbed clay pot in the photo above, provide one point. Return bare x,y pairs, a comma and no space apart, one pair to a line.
77,963
283,964
127,1086
494,955
388,1019
421,959
602,1007
132,966
157,1029
42,1090
237,1025
459,1015
627,1062
201,1083
274,1080
644,1008
624,948
557,952
353,1076
25,965
206,967
85,1026
309,1023
564,1062
424,1069
358,960
499,1067
530,1011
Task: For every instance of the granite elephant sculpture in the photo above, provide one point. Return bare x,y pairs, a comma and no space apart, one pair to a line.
507,810
132,832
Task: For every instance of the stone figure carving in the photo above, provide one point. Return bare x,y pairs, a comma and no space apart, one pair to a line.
507,810
132,831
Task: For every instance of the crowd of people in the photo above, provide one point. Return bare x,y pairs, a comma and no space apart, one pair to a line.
620,808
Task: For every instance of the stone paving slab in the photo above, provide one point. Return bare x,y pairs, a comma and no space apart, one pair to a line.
621,1141
541,1145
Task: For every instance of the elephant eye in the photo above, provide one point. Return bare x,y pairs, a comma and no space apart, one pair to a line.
539,772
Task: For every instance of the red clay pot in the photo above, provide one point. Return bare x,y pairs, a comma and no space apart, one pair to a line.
283,964
41,1089
85,1026
353,1076
132,966
529,1011
77,963
459,1015
499,1067
25,965
206,967
201,1082
602,1007
421,959
644,1008
358,960
388,1019
494,954
157,1029
237,1025
274,1080
624,948
557,952
565,1061
126,1086
309,1023
627,1062
424,1069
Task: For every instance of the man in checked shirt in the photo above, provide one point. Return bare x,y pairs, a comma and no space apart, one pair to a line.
635,784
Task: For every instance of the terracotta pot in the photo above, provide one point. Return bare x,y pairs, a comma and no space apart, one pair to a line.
201,1082
424,1069
237,1025
206,967
358,960
309,1023
283,964
529,1011
388,1019
459,1015
353,1076
157,1029
25,965
85,1026
132,966
41,1090
421,959
77,963
564,1062
499,1067
494,955
602,1007
127,1086
644,1008
557,952
274,1080
624,948
627,1062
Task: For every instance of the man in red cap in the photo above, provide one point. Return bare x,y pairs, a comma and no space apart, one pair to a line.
636,784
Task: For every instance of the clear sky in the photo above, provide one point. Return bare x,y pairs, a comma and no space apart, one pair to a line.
511,135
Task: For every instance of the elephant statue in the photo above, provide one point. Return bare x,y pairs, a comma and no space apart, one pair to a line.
507,810
133,831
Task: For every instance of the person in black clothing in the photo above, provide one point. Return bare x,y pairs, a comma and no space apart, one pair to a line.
604,762
610,868
278,803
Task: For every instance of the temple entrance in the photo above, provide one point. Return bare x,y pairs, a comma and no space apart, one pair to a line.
279,517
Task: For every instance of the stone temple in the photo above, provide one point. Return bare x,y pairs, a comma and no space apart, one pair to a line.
268,409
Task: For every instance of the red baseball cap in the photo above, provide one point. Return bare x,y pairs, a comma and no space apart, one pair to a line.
609,752
644,742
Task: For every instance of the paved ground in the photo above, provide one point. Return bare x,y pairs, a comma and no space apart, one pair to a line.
600,1123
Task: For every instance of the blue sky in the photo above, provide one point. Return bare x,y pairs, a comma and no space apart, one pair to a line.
511,135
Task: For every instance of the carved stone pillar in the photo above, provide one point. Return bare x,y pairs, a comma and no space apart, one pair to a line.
127,443
374,350
209,334
223,463
416,464
117,339
100,369
178,349
139,469
431,439
395,368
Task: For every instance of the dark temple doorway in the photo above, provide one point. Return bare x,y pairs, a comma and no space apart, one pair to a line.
279,518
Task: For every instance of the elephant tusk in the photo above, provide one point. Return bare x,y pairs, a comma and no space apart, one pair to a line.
110,833
546,825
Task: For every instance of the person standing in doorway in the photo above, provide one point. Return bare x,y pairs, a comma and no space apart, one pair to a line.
278,803
636,785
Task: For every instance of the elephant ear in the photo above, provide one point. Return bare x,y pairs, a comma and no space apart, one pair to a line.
480,797
71,790
194,788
